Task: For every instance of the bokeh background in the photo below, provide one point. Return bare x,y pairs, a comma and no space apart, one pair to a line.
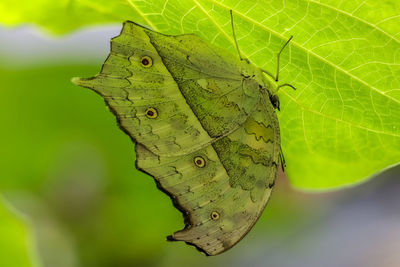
70,195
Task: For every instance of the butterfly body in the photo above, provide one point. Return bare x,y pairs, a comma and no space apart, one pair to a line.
204,128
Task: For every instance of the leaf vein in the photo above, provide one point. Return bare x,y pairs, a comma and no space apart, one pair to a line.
337,119
355,17
141,14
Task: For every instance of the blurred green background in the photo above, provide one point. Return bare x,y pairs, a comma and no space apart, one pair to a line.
70,195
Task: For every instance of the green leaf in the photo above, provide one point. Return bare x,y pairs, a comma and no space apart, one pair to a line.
342,124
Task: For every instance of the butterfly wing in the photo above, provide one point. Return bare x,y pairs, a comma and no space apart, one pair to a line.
200,127
222,200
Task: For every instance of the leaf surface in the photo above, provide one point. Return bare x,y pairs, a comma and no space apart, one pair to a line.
342,124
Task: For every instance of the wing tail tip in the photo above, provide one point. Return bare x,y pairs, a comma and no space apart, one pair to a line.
84,82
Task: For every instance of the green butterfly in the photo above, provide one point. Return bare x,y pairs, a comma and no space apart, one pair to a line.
203,124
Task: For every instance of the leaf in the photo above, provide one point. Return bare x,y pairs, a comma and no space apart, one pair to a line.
342,124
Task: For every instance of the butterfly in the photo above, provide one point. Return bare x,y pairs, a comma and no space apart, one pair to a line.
204,126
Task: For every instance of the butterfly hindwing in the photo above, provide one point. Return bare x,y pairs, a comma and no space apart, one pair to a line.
234,184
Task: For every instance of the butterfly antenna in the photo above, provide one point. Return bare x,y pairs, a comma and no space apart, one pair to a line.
278,56
234,35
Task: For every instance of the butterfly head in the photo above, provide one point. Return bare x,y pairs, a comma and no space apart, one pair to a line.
272,87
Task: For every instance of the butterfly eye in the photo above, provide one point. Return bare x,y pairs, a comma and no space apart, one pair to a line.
151,113
214,215
200,162
146,61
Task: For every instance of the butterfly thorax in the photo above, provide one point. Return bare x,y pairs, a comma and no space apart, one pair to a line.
269,83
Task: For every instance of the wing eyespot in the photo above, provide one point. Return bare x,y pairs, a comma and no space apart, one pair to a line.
146,61
199,162
151,113
215,215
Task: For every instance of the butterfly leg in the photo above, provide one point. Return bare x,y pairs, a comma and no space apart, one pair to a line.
285,84
283,161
